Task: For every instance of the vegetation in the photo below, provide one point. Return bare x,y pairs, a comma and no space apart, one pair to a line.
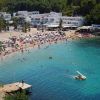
15,23
87,8
60,26
25,27
1,47
17,96
2,24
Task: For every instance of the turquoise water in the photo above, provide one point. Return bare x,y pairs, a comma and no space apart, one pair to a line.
52,78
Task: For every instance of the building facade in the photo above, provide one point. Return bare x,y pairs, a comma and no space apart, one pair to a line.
54,18
50,19
6,16
72,21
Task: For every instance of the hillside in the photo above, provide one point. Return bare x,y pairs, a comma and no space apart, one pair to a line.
90,9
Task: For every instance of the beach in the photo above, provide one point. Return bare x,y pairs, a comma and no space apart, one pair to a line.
19,42
6,35
33,39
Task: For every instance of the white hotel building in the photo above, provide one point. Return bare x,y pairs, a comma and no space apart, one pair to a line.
72,21
50,19
5,15
46,19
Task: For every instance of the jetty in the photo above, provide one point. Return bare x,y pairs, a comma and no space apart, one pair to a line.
13,87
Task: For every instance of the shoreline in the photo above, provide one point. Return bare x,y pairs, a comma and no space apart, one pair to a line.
29,47
35,48
69,36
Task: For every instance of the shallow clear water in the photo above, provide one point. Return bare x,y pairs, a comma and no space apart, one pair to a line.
52,78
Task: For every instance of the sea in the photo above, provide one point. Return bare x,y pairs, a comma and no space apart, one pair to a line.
50,70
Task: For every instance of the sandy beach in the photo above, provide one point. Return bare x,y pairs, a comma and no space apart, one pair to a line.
33,39
6,35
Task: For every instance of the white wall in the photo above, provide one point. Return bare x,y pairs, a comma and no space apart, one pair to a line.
75,21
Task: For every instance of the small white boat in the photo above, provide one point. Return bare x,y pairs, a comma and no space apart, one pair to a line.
80,76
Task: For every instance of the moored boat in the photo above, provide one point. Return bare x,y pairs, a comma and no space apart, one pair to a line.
80,76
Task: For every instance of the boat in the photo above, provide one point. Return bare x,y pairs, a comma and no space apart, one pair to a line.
80,76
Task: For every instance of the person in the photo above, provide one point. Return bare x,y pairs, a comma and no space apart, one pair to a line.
66,40
50,57
22,82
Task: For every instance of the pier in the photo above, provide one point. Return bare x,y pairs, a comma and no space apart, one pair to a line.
13,87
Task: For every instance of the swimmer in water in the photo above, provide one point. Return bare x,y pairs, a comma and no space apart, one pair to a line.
50,57
46,47
24,59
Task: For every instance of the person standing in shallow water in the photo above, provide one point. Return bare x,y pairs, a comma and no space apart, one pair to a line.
22,50
39,46
66,40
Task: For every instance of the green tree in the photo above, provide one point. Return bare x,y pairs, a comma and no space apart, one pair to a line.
1,47
86,6
60,26
95,13
15,22
17,96
26,27
67,7
94,16
2,24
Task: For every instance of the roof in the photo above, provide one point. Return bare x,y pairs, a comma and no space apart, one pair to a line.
53,25
68,25
85,27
